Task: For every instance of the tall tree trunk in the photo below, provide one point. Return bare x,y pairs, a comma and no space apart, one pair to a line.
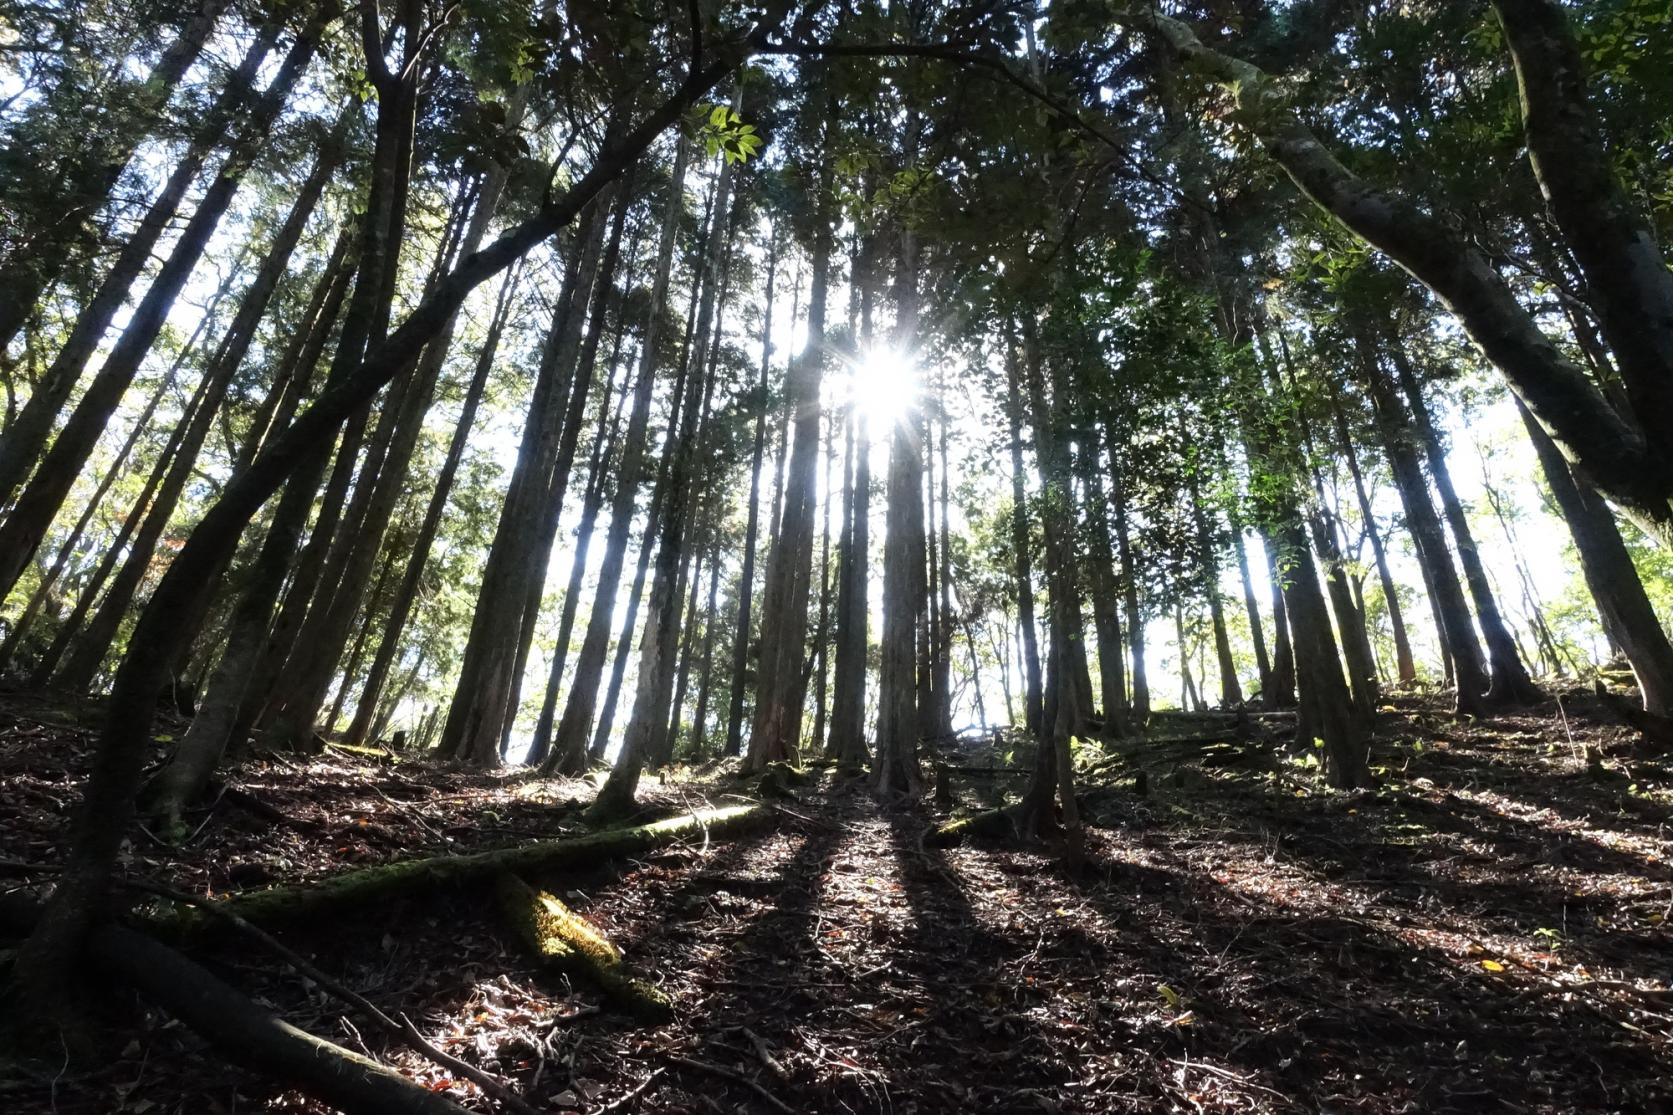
775,731
1611,575
895,765
1398,443
406,595
1263,663
28,433
648,720
1021,545
1068,700
847,740
32,514
1106,601
1231,691
1508,681
482,702
569,752
604,449
822,629
1405,666
700,718
1129,582
752,528
538,558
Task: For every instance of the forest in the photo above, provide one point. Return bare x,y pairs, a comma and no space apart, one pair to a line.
855,556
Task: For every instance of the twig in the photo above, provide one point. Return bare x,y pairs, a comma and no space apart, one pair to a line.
732,1074
404,1030
622,1101
1226,1074
766,1054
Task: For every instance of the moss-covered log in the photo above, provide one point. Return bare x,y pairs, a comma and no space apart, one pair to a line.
372,884
997,823
558,936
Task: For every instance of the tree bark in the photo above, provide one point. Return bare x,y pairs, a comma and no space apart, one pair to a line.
1405,665
752,528
895,764
775,731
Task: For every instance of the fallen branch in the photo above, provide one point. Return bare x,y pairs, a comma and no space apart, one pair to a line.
372,884
732,1074
559,936
250,1036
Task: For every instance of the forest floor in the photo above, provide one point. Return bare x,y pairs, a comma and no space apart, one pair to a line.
1487,930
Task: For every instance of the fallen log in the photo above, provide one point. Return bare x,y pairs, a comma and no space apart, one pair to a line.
250,1036
997,823
558,936
371,884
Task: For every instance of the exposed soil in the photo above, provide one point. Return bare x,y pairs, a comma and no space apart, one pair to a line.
1486,931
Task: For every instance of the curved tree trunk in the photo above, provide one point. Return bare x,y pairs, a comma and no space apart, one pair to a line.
1614,244
1626,459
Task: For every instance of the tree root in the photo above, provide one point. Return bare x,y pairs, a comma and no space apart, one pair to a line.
250,1036
1657,730
559,936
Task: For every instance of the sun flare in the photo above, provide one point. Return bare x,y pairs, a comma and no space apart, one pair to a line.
884,385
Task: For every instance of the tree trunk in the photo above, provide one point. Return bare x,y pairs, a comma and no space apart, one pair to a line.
895,765
775,731
1611,575
1021,546
1231,691
30,517
1405,666
406,595
1067,700
482,701
1129,583
1456,631
752,529
1508,681
1106,616
1611,238
569,752
604,450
